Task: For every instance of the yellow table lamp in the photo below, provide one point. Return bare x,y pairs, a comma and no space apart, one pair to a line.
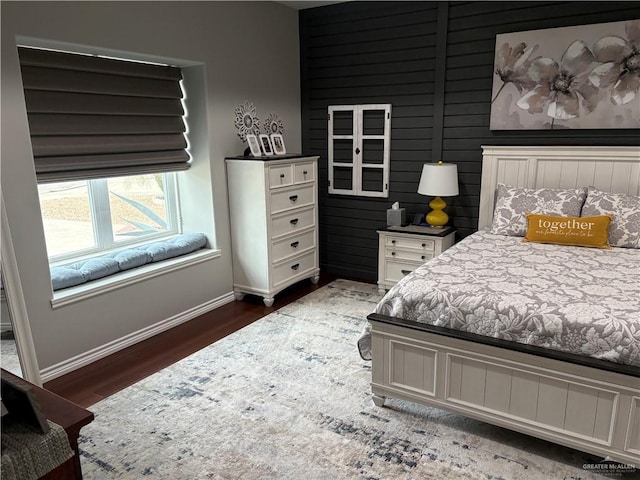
438,180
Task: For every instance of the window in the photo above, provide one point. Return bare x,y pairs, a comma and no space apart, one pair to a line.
86,217
359,146
108,136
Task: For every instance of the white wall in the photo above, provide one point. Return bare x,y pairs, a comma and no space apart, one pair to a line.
247,51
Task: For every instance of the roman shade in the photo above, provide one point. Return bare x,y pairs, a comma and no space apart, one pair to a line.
92,117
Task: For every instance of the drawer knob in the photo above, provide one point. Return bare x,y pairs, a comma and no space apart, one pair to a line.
422,257
304,172
293,221
405,272
424,245
295,267
393,241
282,175
295,244
393,253
293,198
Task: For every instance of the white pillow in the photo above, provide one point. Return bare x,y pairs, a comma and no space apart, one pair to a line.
624,230
513,204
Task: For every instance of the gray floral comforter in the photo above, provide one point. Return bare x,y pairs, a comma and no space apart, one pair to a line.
575,299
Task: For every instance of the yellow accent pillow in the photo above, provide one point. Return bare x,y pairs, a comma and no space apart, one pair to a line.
579,231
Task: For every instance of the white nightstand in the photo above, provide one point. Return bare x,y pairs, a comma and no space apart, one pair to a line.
403,249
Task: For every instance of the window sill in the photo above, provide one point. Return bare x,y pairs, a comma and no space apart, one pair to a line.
123,279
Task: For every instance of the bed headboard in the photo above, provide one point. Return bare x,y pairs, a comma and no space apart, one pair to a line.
612,169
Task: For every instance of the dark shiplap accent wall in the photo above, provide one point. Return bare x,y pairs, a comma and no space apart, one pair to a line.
433,61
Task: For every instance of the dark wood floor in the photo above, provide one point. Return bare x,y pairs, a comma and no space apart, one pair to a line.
92,383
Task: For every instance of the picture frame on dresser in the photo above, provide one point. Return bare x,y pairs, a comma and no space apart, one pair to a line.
278,144
265,143
254,145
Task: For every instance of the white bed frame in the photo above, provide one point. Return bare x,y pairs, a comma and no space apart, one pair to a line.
579,406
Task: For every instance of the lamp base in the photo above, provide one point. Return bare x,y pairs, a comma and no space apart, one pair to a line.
436,218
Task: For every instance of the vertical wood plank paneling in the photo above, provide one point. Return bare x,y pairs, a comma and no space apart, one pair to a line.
581,409
429,369
454,377
633,435
620,183
524,395
604,414
378,349
497,388
586,173
393,52
552,402
568,174
604,176
398,364
473,382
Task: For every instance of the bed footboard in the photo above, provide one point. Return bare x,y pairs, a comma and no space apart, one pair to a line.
578,406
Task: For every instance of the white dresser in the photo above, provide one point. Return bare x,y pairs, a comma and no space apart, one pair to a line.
404,249
274,223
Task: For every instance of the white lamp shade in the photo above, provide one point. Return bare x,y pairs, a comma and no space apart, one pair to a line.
439,180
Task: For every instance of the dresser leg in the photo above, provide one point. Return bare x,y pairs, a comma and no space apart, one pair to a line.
238,296
268,301
315,279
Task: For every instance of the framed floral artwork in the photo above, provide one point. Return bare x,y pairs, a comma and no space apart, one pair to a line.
582,77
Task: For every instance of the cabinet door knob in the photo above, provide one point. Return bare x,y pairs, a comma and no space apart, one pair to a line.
295,244
293,198
295,267
293,221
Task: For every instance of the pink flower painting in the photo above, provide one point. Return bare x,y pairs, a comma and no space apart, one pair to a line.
574,77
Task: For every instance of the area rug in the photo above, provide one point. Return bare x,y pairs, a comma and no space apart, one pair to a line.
288,397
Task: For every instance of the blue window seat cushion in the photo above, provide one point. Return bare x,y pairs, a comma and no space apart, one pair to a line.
98,267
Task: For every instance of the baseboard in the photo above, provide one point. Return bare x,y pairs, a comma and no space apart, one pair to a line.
98,353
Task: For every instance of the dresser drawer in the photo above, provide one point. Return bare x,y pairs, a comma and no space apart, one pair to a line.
280,175
292,245
281,200
394,271
303,172
411,242
408,255
293,221
293,267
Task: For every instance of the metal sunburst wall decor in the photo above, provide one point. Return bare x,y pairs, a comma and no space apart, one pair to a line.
246,120
273,124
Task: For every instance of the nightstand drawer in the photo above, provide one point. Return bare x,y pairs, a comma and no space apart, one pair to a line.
280,175
303,172
293,245
409,255
408,242
281,200
394,271
292,222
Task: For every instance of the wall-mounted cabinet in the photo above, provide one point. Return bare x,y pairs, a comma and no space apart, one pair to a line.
359,149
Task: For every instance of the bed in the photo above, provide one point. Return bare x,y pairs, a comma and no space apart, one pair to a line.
536,337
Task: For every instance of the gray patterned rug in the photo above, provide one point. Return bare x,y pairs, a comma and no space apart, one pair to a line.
288,398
